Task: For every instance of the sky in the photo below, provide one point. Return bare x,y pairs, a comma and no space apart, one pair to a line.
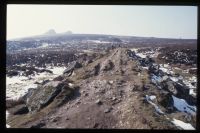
145,21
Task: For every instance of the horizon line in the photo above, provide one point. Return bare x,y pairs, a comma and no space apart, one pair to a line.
16,38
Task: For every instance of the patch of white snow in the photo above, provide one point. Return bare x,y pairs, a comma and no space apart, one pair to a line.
183,106
183,125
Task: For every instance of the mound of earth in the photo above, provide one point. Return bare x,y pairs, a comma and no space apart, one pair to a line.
109,92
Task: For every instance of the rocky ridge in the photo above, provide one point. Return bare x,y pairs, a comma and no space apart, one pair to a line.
117,90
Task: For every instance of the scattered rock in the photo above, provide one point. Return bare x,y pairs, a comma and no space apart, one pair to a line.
110,82
183,93
107,65
22,110
12,73
88,62
145,87
39,125
96,125
99,102
86,94
171,88
56,119
44,82
193,71
59,78
107,110
83,91
70,84
18,109
97,69
45,70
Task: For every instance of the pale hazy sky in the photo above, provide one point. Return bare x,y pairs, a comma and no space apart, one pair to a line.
150,21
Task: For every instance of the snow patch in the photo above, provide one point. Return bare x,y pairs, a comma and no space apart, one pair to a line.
148,98
70,84
190,86
152,97
191,92
134,49
17,86
7,126
183,106
141,55
7,114
174,79
166,70
147,68
183,125
57,70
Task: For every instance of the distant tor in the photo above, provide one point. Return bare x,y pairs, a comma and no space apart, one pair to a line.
50,32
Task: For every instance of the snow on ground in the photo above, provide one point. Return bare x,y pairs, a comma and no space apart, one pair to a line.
174,79
57,70
183,125
189,85
134,49
141,55
166,65
147,68
166,69
179,104
151,53
154,55
7,126
156,79
7,114
193,78
70,84
191,92
44,45
183,106
87,51
98,41
177,68
149,100
152,97
17,86
15,79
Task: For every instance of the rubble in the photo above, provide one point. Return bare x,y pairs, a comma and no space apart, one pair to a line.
107,110
39,125
99,102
